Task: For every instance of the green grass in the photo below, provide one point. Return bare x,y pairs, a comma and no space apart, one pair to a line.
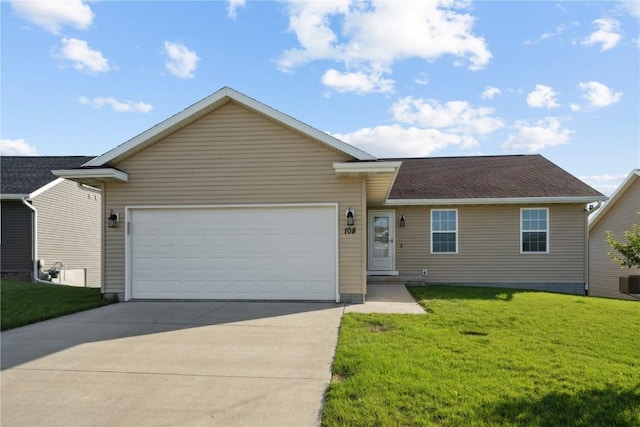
22,303
489,357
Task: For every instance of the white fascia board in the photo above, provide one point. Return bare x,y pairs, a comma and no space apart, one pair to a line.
98,173
297,124
366,167
491,201
45,187
600,213
10,196
240,98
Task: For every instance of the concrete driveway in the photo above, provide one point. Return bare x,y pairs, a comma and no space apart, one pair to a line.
172,363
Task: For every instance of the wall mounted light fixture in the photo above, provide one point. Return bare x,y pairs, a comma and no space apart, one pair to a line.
113,219
351,217
402,221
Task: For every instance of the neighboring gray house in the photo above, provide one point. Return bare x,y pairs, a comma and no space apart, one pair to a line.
617,215
232,199
48,220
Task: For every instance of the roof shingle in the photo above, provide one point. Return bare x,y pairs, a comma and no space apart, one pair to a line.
25,174
478,177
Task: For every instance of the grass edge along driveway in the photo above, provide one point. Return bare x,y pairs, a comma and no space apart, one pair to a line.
23,303
489,357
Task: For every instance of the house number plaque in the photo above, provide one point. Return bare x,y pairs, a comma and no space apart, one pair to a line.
349,230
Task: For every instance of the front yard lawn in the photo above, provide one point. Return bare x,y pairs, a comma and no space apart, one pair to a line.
22,303
489,357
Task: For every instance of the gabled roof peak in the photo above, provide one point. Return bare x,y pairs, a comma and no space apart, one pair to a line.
208,105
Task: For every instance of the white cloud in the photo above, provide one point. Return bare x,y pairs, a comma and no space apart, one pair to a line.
358,82
606,184
542,96
117,106
490,91
371,36
534,137
82,56
16,147
632,7
422,79
52,15
425,126
607,36
598,94
455,116
398,141
575,107
547,35
233,6
181,62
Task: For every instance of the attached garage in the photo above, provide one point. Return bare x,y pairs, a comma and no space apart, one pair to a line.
265,252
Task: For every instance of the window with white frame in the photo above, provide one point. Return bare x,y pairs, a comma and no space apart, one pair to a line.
444,231
534,230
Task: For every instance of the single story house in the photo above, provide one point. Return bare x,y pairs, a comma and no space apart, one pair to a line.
618,216
232,199
48,222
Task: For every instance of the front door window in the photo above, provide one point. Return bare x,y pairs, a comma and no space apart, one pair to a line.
381,245
381,236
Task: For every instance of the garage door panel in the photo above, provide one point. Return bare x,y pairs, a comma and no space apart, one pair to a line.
239,253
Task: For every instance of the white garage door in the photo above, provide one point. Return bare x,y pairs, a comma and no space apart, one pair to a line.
234,253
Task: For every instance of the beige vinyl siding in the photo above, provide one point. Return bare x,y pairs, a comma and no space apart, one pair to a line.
69,228
378,185
489,246
236,156
604,271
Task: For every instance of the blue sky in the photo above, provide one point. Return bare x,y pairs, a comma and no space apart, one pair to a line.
394,78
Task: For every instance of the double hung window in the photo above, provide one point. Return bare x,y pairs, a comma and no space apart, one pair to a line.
444,231
534,230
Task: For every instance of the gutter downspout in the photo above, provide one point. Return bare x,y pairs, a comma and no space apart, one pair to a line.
589,211
34,241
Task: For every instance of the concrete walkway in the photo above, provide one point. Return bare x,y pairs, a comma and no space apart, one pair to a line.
383,298
179,363
172,363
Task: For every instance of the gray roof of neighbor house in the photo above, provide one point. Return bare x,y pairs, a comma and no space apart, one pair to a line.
486,177
25,174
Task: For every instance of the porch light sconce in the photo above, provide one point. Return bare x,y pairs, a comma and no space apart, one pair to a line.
351,217
113,219
402,221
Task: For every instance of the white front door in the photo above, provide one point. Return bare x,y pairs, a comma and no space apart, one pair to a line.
382,248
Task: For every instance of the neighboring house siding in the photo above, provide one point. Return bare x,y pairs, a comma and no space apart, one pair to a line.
604,271
489,246
235,156
16,243
69,228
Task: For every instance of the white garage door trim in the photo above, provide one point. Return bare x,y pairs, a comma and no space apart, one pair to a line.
128,236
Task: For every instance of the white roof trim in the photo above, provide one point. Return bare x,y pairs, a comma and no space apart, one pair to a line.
240,98
97,173
34,193
45,187
622,188
491,201
367,167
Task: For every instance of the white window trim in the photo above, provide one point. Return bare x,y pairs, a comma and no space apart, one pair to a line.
431,231
547,231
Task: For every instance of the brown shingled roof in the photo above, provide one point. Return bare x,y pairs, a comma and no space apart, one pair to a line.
486,177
